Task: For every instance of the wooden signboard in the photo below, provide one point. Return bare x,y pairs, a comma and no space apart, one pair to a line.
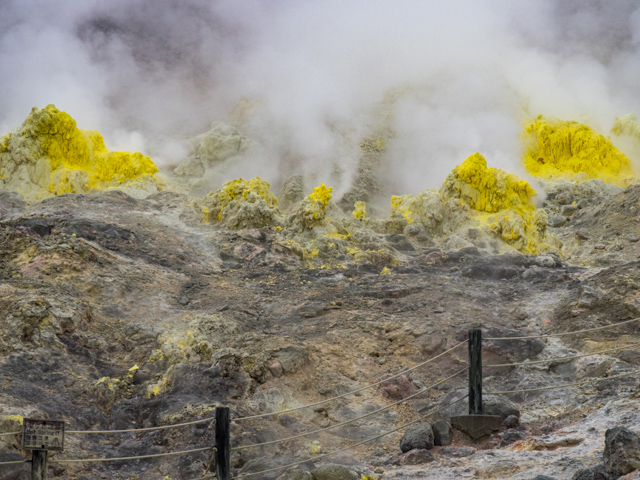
42,434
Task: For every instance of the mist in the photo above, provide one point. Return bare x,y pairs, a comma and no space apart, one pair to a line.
440,80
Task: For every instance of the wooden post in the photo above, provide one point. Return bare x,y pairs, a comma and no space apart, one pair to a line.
475,372
39,464
223,444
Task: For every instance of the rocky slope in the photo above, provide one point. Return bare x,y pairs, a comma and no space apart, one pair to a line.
124,313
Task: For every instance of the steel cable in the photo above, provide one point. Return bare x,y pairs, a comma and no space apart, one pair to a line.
146,429
314,404
117,459
15,462
583,382
562,334
243,447
562,358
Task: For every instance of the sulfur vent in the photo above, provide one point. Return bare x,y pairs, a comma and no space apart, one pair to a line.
49,155
555,148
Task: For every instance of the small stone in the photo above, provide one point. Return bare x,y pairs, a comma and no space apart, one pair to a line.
583,234
416,457
631,237
418,436
564,198
276,369
568,210
582,203
511,436
511,421
554,220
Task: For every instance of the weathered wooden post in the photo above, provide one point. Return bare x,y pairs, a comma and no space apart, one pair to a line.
223,444
475,371
39,464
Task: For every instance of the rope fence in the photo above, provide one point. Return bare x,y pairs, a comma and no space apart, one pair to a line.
344,449
221,451
315,404
399,402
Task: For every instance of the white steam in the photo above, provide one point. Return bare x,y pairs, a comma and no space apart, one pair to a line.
148,73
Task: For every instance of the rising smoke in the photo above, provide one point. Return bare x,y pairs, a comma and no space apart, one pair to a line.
437,80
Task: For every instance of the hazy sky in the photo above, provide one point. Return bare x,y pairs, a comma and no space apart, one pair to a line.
466,75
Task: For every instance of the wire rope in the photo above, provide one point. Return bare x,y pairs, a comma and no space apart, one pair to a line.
590,380
562,334
562,358
117,459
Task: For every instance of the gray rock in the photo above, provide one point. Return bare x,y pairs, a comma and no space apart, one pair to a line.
292,358
621,451
334,472
582,203
564,198
554,220
442,433
543,477
583,234
500,406
418,436
414,457
568,210
512,421
264,463
597,472
456,452
295,473
511,436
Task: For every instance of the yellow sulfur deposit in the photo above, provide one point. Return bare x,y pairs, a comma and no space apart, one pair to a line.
555,148
312,210
360,210
237,190
48,153
487,189
319,200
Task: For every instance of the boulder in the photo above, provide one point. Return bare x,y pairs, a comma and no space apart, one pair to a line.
418,436
334,472
621,451
442,433
295,473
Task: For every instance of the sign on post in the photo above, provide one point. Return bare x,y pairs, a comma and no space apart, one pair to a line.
42,434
